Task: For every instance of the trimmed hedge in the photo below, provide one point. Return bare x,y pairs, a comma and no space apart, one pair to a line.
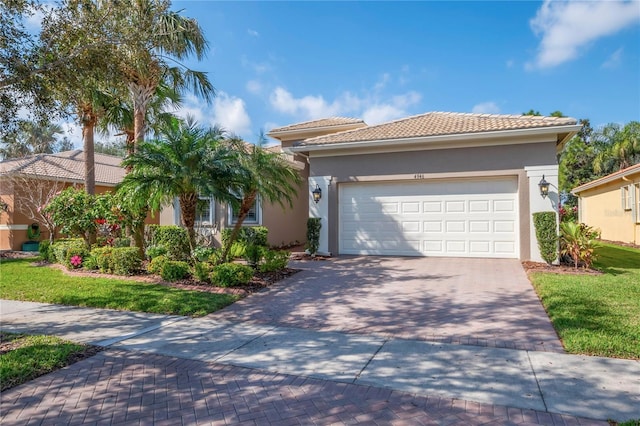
231,274
174,270
248,235
116,260
547,235
174,238
313,235
59,249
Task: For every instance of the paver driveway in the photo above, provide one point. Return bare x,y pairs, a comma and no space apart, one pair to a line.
487,302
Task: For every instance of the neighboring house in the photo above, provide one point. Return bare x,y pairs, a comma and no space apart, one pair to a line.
612,204
435,184
53,172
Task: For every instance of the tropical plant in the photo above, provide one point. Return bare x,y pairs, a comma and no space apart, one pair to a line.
259,174
188,161
153,42
31,138
579,242
619,147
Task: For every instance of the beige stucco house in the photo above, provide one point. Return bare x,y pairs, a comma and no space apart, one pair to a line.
46,174
612,204
435,184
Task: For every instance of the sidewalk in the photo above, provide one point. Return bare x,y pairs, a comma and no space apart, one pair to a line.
541,382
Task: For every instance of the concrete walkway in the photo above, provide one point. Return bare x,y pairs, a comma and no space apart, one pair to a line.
320,376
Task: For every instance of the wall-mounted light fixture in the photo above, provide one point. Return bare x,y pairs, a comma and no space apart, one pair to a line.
544,187
317,194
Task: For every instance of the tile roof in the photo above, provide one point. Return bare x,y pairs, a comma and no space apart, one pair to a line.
608,178
66,166
439,123
324,122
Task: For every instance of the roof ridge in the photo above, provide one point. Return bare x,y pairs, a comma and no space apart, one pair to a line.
350,120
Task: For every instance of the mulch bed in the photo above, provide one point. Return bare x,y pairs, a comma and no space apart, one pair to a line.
530,267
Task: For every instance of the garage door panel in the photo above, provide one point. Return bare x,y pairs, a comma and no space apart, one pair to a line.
452,218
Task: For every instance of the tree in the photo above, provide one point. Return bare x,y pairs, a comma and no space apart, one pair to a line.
619,147
152,38
35,193
187,161
81,83
32,138
261,174
532,112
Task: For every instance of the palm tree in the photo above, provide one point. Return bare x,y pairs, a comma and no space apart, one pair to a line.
619,147
153,38
186,162
260,174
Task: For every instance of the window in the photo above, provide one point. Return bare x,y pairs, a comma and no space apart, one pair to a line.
625,195
254,217
636,201
205,212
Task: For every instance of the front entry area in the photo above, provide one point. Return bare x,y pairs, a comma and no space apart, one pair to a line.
452,218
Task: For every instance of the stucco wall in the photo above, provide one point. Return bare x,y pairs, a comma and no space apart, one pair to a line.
601,208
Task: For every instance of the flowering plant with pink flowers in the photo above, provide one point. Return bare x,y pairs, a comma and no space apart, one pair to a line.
76,261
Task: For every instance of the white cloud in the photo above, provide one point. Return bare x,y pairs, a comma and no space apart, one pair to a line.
254,86
258,67
614,60
567,27
372,109
384,79
486,108
253,33
229,112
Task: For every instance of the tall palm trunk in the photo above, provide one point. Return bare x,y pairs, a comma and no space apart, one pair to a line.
247,202
89,120
141,95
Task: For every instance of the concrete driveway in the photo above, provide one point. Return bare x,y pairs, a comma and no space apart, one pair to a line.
484,302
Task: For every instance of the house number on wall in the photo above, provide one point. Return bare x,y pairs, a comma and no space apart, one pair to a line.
418,176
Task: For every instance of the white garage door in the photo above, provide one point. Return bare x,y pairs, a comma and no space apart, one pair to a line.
462,218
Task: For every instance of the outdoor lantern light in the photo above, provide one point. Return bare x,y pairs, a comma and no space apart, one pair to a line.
317,193
544,187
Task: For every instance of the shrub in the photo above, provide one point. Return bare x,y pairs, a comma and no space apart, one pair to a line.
256,235
75,257
175,239
155,251
579,241
90,263
313,235
238,249
253,254
122,242
45,250
201,271
173,270
60,248
546,234
156,264
103,259
125,260
202,254
231,274
275,260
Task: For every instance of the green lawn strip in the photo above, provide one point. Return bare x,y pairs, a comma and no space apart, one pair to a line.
597,314
22,279
28,357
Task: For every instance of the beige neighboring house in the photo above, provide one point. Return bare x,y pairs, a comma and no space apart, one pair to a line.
612,204
434,184
52,172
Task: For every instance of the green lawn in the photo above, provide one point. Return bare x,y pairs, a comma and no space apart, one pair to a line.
23,280
597,314
33,356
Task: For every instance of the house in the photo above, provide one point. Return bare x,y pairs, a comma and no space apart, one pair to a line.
612,204
38,177
435,184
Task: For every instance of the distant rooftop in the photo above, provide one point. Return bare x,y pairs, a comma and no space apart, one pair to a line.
66,166
322,123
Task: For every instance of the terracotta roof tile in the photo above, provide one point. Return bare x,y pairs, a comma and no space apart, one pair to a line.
608,178
68,166
439,123
324,122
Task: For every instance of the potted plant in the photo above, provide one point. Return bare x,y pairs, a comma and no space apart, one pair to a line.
33,235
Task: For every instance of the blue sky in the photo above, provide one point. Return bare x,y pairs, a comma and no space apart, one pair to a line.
276,63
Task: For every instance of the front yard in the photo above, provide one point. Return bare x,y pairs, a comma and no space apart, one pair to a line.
22,279
597,314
